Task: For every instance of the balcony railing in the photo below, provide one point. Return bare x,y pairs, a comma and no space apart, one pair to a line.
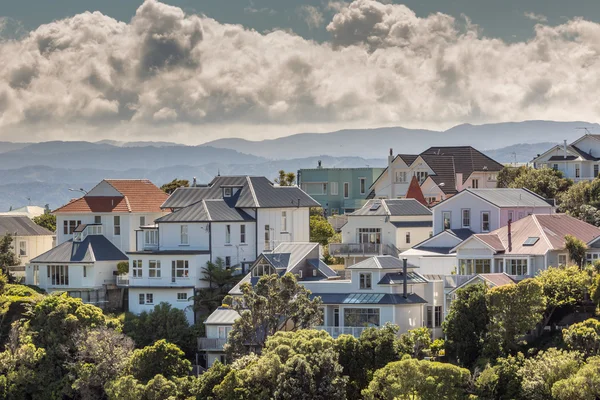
355,249
211,343
336,331
122,280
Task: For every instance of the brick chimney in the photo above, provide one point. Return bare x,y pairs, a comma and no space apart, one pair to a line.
509,235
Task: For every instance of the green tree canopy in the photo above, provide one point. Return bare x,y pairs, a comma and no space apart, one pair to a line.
502,380
220,280
274,303
583,385
170,187
160,358
541,372
544,181
286,178
508,175
584,337
415,342
576,248
8,258
320,230
46,220
466,325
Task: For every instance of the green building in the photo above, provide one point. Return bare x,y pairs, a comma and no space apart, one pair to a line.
338,190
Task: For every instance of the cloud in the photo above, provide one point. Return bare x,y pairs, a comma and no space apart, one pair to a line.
536,17
311,15
165,74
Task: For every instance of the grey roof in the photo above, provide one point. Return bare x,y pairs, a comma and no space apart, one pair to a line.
92,248
222,316
278,260
505,197
297,252
412,224
22,226
439,250
462,234
171,252
392,207
368,298
381,262
254,192
211,210
429,244
323,268
397,278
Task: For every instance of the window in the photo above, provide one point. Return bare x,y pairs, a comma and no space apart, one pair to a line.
485,221
333,188
267,237
429,316
430,199
475,183
22,248
242,234
284,221
137,268
555,167
154,269
149,298
517,266
227,261
85,271
421,176
300,274
227,234
365,281
315,188
334,211
151,237
180,269
69,226
562,259
363,185
510,216
58,275
346,190
262,269
182,296
438,316
223,331
577,171
361,317
466,218
36,274
591,257
477,266
97,219
184,238
407,237
400,176
142,298
446,219
142,220
595,170
117,225
227,192
369,236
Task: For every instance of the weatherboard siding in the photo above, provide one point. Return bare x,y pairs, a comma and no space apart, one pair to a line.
162,295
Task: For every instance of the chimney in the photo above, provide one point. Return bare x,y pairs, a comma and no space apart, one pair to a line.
509,235
319,165
194,184
390,157
405,277
565,148
392,179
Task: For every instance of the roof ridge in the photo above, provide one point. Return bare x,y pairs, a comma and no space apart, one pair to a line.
107,181
539,226
387,210
251,187
91,251
127,202
206,209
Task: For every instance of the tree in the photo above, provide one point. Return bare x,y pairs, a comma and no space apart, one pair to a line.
546,182
174,185
47,221
582,200
274,304
8,258
202,386
466,325
508,174
423,380
513,310
576,249
501,381
415,342
562,287
541,372
583,385
123,267
286,178
163,322
320,230
160,358
220,280
584,337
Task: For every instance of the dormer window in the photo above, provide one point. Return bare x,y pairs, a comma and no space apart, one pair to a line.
227,192
262,269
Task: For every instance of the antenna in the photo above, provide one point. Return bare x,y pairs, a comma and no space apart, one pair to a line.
587,131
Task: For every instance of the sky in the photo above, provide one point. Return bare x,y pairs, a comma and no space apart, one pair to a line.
194,71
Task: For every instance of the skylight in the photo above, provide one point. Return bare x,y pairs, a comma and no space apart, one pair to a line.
375,206
531,241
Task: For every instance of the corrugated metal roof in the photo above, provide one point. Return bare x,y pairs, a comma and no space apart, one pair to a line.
412,224
491,240
278,260
211,210
297,252
381,262
92,248
393,207
22,226
322,267
368,298
397,278
222,316
506,197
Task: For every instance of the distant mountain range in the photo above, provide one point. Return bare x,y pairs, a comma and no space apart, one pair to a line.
42,173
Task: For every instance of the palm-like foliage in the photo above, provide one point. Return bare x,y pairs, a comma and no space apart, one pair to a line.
220,280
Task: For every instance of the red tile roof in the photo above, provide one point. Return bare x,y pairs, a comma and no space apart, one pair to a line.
414,191
139,195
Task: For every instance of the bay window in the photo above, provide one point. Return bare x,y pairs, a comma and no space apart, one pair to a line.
361,317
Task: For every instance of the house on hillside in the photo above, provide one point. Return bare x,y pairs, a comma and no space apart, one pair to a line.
29,240
379,290
579,160
471,211
440,171
338,190
234,218
383,227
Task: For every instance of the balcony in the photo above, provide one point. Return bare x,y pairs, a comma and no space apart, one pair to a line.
211,344
122,280
336,331
361,250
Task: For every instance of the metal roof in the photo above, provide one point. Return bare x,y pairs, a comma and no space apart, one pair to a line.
92,248
368,298
506,197
323,268
412,224
397,278
222,316
254,192
392,207
278,260
211,210
381,262
21,226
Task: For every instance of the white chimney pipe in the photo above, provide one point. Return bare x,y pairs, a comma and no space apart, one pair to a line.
565,148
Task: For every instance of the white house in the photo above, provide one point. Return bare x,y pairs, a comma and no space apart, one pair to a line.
234,218
383,227
26,211
380,290
441,172
579,160
29,240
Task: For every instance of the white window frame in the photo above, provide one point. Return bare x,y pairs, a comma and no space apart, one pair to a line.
150,298
141,298
154,269
362,182
596,170
137,268
182,298
475,183
346,190
577,170
365,281
142,220
227,234
70,225
510,266
58,275
284,222
227,192
444,220
488,214
227,261
400,176
334,188
566,256
98,219
462,217
117,225
22,248
151,237
407,237
243,234
184,237
182,266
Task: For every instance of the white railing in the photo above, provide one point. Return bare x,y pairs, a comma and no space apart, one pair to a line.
122,280
211,343
336,331
355,249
